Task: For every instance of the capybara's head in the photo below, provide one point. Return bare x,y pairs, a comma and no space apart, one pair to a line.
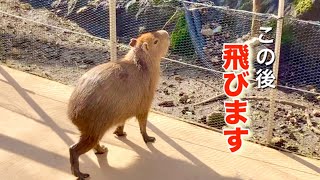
155,44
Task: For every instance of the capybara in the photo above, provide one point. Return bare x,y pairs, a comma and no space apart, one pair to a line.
110,93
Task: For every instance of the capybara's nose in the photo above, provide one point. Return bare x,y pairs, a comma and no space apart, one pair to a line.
164,33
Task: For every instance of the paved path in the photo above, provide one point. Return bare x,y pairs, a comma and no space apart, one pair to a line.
35,135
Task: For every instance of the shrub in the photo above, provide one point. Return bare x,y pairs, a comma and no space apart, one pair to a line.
287,34
180,37
302,6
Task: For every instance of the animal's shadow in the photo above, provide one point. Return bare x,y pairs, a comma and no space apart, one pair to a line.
154,165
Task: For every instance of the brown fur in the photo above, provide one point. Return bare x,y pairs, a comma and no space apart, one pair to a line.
110,93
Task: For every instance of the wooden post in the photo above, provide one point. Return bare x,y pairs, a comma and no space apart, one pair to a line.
273,93
113,29
255,26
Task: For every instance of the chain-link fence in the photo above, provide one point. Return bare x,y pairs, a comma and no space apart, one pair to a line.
298,124
44,39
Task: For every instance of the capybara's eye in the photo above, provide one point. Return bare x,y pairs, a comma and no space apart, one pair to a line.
156,41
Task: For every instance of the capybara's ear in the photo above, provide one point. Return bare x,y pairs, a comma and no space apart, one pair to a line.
145,46
133,42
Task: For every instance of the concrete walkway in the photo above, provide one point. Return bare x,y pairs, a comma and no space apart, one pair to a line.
35,135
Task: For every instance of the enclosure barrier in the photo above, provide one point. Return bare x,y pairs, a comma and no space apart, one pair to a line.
113,30
273,94
25,37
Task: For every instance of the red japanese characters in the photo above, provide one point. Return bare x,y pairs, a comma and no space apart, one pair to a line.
236,57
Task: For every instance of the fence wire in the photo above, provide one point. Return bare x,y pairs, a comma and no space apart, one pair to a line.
44,40
300,60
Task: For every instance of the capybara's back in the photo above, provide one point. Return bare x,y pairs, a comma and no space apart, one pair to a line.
110,93
107,95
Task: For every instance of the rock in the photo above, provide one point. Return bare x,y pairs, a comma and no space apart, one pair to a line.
313,90
301,130
293,148
178,78
184,99
283,126
315,153
188,111
26,7
293,137
207,31
289,114
81,10
181,93
239,40
88,61
47,28
83,66
166,104
78,40
217,29
15,51
309,87
215,61
203,119
316,113
46,74
166,92
285,132
28,68
277,141
293,120
171,86
185,109
164,83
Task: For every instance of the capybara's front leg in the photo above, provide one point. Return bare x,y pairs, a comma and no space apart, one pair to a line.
84,145
143,128
119,131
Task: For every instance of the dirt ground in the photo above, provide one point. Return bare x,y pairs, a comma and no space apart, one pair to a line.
63,56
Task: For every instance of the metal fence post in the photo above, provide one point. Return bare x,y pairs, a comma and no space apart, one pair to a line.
113,29
273,93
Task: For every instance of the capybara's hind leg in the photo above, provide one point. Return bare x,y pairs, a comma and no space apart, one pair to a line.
143,128
100,149
119,131
84,145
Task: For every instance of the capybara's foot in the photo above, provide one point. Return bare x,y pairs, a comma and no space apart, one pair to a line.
100,149
119,131
147,139
119,134
80,175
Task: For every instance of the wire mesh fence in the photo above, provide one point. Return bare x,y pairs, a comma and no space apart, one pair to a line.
300,54
45,40
298,124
